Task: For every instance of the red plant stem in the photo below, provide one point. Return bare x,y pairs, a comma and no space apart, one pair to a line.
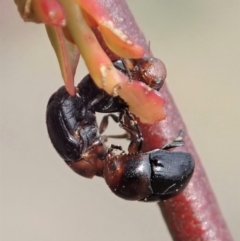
194,214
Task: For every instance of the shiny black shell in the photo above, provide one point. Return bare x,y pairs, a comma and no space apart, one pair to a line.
71,124
171,172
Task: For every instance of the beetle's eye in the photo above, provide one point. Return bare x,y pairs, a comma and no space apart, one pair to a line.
157,163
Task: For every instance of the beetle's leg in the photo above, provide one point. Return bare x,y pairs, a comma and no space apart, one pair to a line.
115,147
177,142
128,67
104,122
125,135
128,123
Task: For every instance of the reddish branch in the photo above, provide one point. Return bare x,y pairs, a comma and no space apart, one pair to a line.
194,214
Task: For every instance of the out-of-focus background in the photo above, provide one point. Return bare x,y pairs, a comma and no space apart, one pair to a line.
42,199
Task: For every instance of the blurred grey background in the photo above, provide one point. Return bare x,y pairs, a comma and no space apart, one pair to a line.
42,199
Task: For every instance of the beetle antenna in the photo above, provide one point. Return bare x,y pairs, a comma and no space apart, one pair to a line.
149,47
125,63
